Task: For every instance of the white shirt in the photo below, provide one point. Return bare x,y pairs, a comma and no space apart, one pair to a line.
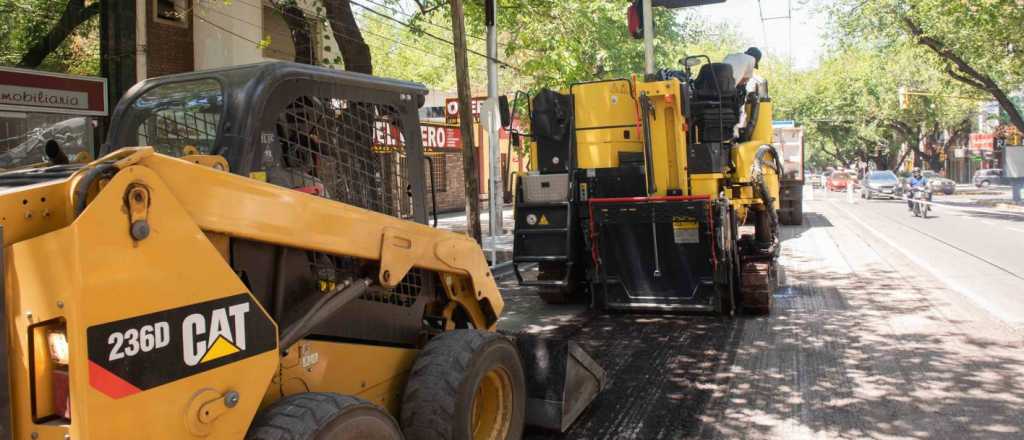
742,66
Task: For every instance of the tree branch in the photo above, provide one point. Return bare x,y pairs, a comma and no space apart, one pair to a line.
74,14
974,78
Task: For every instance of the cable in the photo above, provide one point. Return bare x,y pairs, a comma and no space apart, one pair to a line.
336,34
406,25
413,17
375,12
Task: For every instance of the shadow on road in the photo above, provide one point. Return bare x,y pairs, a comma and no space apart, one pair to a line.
843,355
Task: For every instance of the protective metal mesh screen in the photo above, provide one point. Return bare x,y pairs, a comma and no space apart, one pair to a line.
333,270
344,150
179,118
351,152
172,132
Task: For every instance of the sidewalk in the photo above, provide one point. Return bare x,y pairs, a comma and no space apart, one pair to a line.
456,222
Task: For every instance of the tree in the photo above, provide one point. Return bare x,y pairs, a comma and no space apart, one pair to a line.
977,43
51,35
355,53
850,105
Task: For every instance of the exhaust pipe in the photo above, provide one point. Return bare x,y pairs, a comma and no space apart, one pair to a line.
561,380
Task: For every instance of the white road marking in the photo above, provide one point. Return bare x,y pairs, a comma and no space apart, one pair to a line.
953,284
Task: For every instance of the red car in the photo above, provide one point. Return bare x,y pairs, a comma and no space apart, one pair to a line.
837,181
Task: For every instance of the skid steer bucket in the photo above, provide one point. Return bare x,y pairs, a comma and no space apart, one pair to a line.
561,380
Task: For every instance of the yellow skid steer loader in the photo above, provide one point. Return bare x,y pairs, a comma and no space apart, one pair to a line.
249,258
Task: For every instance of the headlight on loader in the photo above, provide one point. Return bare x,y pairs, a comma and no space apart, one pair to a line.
48,371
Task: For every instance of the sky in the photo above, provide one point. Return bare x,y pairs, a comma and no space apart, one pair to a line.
806,26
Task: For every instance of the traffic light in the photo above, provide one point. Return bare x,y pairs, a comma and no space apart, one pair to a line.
904,98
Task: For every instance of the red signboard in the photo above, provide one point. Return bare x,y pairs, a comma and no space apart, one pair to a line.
436,138
980,141
451,109
34,91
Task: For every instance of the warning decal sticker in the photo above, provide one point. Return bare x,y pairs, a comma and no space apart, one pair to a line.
685,230
136,354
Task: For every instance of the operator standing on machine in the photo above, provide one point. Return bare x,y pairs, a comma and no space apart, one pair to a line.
743,65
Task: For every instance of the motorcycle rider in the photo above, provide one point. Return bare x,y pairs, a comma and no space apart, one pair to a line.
916,182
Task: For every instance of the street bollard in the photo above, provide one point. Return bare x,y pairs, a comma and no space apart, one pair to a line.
849,193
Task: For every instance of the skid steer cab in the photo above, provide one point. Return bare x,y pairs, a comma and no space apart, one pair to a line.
249,258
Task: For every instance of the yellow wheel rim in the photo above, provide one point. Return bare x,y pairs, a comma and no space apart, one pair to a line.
492,406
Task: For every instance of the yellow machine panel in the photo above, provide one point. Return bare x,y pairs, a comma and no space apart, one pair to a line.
605,123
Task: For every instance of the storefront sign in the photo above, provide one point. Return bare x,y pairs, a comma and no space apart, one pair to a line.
980,141
34,91
451,109
435,138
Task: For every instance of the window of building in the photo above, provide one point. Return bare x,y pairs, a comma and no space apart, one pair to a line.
171,12
439,173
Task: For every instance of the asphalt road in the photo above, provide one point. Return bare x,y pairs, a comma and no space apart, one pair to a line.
863,342
975,250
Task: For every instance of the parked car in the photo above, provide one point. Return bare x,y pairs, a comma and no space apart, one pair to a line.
837,181
991,176
879,184
815,180
937,183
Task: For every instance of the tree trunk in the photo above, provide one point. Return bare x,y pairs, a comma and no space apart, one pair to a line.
298,26
74,14
355,53
966,73
469,162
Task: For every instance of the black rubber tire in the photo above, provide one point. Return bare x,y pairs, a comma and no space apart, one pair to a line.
438,399
323,416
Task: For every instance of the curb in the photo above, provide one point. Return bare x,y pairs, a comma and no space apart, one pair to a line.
501,269
1010,208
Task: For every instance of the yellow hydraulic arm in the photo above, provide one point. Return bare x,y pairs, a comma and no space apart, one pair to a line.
128,247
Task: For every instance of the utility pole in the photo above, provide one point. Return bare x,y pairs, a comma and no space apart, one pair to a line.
494,192
648,13
469,164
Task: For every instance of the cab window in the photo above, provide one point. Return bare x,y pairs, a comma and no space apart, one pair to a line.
179,119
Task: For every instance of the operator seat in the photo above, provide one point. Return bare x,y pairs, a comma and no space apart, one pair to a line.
716,103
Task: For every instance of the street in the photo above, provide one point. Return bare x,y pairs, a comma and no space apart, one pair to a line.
885,326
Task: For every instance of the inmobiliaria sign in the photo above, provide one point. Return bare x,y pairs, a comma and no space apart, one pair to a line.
34,91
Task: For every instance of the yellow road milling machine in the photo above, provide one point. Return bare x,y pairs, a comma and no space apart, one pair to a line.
648,193
249,258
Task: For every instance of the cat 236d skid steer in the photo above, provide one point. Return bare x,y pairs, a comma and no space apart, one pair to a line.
249,258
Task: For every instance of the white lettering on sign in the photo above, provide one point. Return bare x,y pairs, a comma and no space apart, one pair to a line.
138,340
452,107
34,96
225,336
433,136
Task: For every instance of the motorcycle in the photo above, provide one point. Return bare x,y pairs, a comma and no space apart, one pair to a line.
919,199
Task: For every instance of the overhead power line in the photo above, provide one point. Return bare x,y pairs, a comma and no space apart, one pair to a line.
318,16
336,34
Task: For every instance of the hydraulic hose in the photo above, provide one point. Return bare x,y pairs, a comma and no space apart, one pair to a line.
755,109
82,189
757,173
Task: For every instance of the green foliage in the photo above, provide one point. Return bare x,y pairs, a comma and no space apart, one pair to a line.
547,44
850,102
26,21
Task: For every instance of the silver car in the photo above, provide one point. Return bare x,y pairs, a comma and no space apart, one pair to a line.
939,184
879,184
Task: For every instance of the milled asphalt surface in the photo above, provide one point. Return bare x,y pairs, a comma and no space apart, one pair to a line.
862,342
